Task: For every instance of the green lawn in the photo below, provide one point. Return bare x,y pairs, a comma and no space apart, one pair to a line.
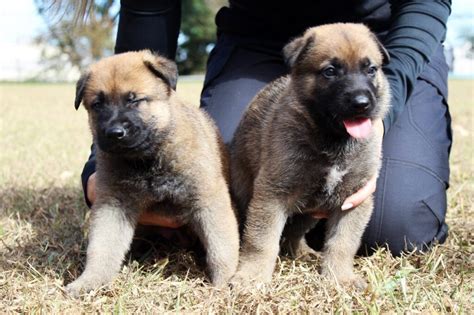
43,223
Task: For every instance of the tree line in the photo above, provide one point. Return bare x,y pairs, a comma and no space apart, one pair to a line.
79,43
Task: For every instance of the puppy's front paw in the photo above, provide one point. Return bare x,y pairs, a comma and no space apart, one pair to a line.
357,282
83,285
246,277
353,281
300,250
347,280
76,288
220,280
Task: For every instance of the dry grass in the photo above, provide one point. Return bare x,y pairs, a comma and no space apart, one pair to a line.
44,143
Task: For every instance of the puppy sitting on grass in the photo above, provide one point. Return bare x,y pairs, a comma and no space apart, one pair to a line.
153,152
306,143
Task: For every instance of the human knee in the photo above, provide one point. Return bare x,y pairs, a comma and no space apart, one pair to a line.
409,212
422,226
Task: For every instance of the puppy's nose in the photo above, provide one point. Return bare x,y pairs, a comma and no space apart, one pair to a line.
115,132
360,102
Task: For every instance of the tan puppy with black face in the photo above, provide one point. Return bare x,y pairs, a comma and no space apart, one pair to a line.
306,143
153,152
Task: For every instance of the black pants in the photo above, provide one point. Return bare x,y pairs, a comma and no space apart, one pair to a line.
410,201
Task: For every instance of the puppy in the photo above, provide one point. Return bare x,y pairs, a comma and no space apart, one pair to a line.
306,143
153,152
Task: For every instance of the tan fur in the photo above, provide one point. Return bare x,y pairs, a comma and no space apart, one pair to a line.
333,41
284,167
192,151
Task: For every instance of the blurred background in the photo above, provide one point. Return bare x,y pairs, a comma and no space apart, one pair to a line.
38,45
44,44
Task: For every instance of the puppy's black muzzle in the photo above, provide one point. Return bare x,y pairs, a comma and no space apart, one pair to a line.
358,96
120,140
116,132
360,102
121,131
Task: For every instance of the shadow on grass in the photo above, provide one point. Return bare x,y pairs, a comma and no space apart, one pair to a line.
44,231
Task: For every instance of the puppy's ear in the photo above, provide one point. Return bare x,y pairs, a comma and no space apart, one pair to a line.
162,67
80,87
296,48
385,54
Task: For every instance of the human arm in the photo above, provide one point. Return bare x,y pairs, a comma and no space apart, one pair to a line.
417,29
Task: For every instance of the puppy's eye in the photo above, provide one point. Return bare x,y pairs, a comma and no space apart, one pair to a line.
98,101
329,72
133,100
372,70
131,97
96,105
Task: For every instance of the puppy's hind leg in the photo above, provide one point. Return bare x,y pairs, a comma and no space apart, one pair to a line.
216,225
293,241
110,237
343,237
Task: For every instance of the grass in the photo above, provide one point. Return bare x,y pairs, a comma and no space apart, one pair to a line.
43,223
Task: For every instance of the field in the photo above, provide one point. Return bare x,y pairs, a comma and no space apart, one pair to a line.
43,223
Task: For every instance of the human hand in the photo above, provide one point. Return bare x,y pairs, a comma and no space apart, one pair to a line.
91,195
365,192
362,194
148,217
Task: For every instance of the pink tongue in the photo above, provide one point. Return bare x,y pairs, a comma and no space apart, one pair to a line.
358,128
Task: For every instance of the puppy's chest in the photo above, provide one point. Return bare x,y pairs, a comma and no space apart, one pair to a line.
325,186
325,183
334,176
159,184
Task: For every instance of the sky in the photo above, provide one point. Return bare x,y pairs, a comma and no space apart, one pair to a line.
20,23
